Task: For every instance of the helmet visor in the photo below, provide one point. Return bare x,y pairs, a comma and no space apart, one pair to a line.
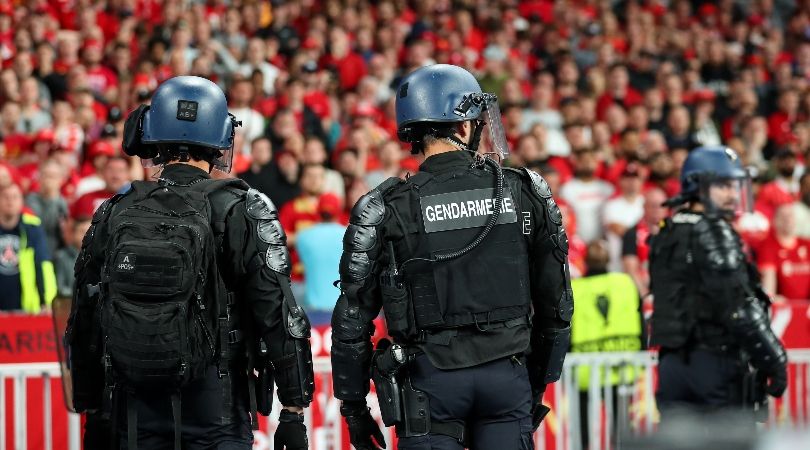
728,196
493,136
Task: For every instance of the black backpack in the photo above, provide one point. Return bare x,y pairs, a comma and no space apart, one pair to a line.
163,297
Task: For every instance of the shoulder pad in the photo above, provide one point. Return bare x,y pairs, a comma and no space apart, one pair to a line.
278,259
259,206
359,238
271,232
721,244
539,184
369,210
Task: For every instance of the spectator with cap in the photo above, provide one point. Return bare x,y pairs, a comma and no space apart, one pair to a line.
320,247
96,159
116,178
27,279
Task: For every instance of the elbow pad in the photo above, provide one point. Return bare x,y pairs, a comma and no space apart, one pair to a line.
293,371
548,355
750,324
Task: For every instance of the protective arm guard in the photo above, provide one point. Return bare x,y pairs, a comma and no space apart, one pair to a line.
351,352
293,371
360,302
291,360
548,355
551,283
749,323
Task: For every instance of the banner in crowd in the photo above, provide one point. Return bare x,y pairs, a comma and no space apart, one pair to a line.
25,339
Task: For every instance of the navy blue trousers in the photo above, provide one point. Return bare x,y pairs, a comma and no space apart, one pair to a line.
493,399
700,381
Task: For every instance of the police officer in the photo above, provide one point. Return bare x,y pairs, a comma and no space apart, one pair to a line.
468,262
710,318
242,318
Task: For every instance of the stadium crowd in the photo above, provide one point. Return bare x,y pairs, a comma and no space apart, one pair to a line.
604,98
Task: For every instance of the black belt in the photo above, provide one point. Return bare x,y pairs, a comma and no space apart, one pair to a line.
455,430
443,336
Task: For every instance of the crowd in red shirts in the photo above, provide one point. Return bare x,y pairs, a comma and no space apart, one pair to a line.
604,98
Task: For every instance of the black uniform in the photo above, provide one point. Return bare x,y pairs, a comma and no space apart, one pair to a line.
254,264
709,317
471,325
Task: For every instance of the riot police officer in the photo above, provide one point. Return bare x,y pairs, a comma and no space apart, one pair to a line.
183,290
710,318
468,262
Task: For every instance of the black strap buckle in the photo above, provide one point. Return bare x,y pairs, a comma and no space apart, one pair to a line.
234,337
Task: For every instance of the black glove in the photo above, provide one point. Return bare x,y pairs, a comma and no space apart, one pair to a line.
777,381
291,433
362,427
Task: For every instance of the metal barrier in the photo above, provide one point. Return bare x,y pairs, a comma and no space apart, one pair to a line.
20,374
615,409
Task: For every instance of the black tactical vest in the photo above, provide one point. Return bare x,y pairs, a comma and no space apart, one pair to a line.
483,288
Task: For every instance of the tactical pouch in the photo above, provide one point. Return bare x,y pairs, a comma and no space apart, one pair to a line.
264,394
416,412
398,315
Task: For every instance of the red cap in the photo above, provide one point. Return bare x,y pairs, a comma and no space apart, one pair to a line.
364,109
707,9
309,44
329,203
100,148
45,135
705,95
6,9
92,43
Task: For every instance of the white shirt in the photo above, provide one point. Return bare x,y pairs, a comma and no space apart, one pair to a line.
623,212
269,74
587,198
252,126
802,213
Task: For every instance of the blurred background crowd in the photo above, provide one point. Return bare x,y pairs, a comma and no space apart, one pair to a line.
604,98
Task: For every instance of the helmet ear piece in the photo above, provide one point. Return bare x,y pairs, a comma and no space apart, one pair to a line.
133,130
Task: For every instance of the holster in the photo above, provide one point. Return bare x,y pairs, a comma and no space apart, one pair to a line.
384,370
755,397
416,412
264,391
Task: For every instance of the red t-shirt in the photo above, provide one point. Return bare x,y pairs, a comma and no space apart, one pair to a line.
771,196
631,97
351,69
792,266
16,145
298,214
101,78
